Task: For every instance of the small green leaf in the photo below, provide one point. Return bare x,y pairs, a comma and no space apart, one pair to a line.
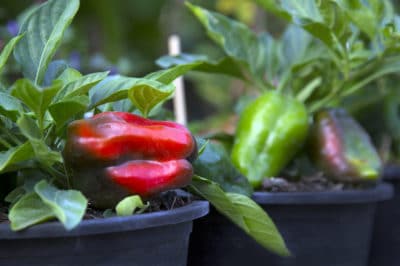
5,53
36,98
10,106
29,127
147,94
68,206
180,64
65,110
15,195
144,93
29,210
128,205
44,28
44,154
55,69
243,212
16,155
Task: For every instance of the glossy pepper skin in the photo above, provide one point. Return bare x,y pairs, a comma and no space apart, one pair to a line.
115,154
342,148
270,131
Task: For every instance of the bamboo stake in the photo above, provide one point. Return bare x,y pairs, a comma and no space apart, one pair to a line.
174,47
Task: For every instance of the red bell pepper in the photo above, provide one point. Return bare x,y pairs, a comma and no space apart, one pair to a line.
134,154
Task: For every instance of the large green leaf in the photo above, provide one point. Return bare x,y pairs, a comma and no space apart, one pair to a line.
361,15
29,210
80,86
5,53
235,38
306,14
273,6
43,29
243,212
10,106
68,206
144,93
15,155
215,164
36,98
180,64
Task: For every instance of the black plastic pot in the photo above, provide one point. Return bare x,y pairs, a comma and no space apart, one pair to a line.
385,247
320,229
159,238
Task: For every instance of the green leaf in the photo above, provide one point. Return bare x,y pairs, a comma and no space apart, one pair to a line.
10,106
80,86
306,14
180,64
273,6
5,53
215,164
69,75
65,110
29,210
44,154
389,65
16,155
361,15
29,127
44,29
128,205
68,206
243,212
55,69
147,94
144,93
235,38
309,89
36,98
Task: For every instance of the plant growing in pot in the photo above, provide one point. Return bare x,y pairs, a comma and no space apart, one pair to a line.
302,78
59,161
110,160
384,131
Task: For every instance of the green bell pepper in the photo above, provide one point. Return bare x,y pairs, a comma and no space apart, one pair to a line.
270,131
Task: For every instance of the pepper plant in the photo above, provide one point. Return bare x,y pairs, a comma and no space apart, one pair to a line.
54,152
329,51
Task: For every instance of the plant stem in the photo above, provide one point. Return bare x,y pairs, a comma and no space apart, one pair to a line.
5,143
11,136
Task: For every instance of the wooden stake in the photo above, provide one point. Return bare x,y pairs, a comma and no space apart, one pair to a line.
174,47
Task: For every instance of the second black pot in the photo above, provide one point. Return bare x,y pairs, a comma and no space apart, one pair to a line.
385,247
320,229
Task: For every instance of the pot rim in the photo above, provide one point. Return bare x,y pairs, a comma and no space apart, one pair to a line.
382,191
391,172
194,210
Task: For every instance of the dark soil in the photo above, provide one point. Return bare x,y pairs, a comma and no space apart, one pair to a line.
316,182
166,201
